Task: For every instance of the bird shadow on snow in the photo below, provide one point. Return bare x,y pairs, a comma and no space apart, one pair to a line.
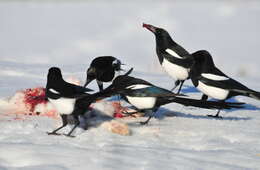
189,89
163,112
248,107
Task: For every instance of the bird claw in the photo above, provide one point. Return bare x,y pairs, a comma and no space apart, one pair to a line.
125,112
143,123
53,133
129,113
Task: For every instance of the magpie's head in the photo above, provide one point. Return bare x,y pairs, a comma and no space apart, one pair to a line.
203,62
116,65
158,32
54,74
91,75
203,57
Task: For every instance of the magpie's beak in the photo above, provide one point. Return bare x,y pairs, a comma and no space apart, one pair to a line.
129,72
150,27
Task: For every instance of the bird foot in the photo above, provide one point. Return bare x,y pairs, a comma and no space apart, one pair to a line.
53,133
143,123
215,116
129,113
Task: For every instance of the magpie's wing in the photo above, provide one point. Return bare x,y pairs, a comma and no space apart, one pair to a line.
223,83
214,70
186,61
151,91
217,78
50,93
80,89
74,91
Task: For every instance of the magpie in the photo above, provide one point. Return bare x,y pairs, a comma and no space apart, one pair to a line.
213,83
68,99
103,69
175,60
146,97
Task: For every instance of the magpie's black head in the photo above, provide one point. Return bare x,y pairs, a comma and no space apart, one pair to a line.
203,57
54,74
157,31
91,75
203,62
163,38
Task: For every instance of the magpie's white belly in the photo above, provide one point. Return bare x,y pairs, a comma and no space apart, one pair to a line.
214,92
142,102
175,71
63,105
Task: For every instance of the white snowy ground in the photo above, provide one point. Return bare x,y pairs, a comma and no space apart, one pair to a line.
37,35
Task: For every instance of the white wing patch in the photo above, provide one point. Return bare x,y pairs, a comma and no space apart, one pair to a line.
138,86
173,53
54,91
115,62
214,77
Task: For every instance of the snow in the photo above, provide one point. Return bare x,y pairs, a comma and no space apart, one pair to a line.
37,35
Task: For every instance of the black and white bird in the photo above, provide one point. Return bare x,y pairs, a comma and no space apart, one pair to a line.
68,99
214,83
146,97
175,60
103,69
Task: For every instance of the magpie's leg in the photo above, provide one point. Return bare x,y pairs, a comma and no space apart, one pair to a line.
64,123
131,113
146,122
100,85
118,98
149,118
176,84
217,115
74,127
204,97
182,81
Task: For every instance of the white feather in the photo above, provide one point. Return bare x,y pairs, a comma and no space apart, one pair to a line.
54,91
115,62
142,102
138,86
63,105
173,53
174,70
214,92
214,77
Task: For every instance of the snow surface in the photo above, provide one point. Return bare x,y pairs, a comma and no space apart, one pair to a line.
36,35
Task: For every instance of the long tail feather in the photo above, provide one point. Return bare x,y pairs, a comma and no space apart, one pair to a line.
248,93
203,104
255,95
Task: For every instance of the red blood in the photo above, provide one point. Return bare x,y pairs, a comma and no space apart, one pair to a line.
118,115
34,96
118,110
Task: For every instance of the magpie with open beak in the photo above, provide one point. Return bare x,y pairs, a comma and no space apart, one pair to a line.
174,59
103,69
